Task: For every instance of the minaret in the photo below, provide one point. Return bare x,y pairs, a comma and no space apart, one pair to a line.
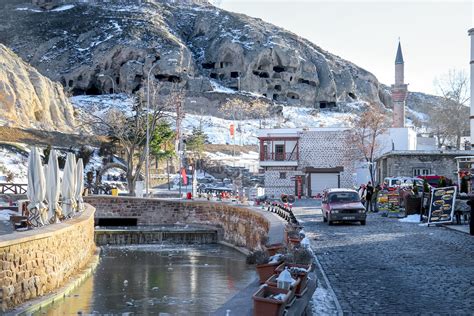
471,118
399,91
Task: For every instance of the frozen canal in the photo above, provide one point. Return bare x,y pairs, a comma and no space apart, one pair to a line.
149,279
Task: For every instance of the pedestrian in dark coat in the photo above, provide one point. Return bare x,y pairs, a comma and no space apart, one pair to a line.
369,192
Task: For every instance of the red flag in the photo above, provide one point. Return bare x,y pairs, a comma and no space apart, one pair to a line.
231,130
185,177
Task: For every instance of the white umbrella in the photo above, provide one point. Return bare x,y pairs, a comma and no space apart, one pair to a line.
53,182
68,187
36,189
79,184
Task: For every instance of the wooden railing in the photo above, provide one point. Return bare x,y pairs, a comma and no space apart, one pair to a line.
13,188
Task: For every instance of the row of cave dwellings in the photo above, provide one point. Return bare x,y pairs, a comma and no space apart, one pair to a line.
96,86
273,74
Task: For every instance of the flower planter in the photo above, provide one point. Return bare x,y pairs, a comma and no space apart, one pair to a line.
294,241
266,270
274,248
302,273
265,305
272,282
291,230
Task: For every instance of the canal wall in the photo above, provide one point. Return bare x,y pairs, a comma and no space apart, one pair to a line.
238,226
36,262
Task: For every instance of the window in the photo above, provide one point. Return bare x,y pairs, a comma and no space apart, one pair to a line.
280,152
421,171
282,175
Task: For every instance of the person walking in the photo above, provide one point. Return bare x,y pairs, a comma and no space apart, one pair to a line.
369,192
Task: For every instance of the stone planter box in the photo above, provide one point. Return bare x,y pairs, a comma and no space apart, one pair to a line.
302,273
266,270
264,305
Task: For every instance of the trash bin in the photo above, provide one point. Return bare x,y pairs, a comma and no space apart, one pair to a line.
114,191
189,195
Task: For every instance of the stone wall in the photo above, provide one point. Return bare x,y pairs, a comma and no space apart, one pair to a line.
241,227
36,262
403,166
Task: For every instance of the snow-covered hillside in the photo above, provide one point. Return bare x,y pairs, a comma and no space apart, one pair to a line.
217,129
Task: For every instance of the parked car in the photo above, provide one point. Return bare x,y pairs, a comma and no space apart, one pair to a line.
391,183
434,180
343,205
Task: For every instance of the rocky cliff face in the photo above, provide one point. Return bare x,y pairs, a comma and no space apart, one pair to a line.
191,43
28,99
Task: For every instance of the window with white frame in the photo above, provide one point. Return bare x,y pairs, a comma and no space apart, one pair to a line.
421,171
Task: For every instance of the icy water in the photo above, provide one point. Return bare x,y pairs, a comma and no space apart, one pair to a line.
154,279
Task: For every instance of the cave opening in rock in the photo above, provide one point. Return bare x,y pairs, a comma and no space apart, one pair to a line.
278,87
213,75
352,95
305,81
234,74
169,78
261,74
276,97
70,83
209,65
117,80
326,104
279,68
137,88
293,96
93,90
79,78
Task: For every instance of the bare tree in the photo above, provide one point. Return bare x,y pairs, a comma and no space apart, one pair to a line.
450,121
366,132
129,128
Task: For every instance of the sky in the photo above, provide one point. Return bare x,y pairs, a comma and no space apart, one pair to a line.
433,34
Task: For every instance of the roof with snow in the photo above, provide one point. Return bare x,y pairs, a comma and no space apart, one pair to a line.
453,153
399,58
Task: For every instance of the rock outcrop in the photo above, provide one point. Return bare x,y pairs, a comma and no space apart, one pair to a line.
189,43
29,99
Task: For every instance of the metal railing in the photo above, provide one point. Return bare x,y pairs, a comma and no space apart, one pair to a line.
13,188
278,157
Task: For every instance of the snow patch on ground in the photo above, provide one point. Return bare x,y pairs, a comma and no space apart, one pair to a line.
415,218
14,163
63,8
322,302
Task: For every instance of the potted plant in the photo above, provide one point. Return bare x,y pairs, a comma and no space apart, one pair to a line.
272,282
270,301
299,262
273,249
292,229
265,265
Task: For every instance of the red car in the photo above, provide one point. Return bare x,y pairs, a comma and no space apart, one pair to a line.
432,180
343,205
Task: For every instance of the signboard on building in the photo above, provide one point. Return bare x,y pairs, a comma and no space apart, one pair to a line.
442,205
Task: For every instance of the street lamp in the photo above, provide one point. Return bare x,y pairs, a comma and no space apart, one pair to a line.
111,79
147,164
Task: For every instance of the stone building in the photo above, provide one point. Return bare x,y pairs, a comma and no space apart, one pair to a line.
305,161
419,163
309,160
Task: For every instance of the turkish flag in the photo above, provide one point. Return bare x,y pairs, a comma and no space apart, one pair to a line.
185,177
231,128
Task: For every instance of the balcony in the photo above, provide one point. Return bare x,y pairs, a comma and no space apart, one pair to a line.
278,159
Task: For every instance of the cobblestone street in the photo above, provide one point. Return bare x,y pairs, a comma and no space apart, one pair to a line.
393,267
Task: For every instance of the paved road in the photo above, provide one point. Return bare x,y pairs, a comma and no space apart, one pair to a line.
391,267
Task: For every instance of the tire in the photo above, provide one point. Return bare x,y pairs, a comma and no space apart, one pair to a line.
330,223
362,222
